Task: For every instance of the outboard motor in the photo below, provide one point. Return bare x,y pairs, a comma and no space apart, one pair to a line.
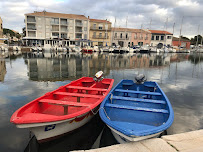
98,76
140,78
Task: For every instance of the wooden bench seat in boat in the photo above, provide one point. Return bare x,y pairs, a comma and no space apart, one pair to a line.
136,108
138,92
100,90
78,95
65,104
62,102
138,100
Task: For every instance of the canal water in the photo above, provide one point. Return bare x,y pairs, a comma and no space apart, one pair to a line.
24,77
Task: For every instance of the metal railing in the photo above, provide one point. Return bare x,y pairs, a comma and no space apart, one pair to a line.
100,37
78,24
121,38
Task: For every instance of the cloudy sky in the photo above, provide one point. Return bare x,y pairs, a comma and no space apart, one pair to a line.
139,13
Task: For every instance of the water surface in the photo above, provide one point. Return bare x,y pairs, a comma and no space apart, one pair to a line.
28,76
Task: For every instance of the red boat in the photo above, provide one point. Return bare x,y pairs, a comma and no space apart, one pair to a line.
63,110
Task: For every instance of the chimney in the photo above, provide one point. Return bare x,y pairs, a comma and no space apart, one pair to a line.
88,17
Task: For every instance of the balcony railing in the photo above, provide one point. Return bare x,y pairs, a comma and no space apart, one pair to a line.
97,28
121,38
31,21
100,37
64,23
54,23
31,28
57,30
78,24
64,31
78,37
78,31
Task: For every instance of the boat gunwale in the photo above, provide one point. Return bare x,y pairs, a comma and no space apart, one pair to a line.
160,128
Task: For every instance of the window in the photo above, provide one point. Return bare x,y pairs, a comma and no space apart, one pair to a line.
162,37
85,28
168,37
55,34
121,35
100,35
1,26
100,27
141,37
115,35
94,26
85,36
146,37
135,37
94,35
54,21
157,37
106,35
152,37
126,36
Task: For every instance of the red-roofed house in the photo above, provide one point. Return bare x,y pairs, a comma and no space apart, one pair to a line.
163,37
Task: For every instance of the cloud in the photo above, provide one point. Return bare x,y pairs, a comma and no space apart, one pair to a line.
138,12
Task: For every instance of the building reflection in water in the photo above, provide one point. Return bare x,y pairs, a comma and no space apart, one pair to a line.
57,67
2,70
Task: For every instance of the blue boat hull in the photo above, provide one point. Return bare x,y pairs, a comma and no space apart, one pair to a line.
136,111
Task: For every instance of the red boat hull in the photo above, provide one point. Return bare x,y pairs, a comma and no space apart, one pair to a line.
64,109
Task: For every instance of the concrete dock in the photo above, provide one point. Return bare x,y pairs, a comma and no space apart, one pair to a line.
184,142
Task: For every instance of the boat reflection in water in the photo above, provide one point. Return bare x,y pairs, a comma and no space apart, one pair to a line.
57,67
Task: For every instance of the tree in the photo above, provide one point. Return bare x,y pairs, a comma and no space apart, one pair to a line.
12,34
194,40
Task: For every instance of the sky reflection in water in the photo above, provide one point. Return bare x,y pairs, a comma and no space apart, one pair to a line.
25,78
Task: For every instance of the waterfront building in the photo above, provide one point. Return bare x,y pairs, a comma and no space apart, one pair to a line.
185,43
140,37
100,32
55,28
161,37
1,30
121,36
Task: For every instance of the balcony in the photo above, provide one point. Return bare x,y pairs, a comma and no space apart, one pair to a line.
100,37
78,24
64,31
97,29
121,38
31,28
54,23
64,22
31,19
78,31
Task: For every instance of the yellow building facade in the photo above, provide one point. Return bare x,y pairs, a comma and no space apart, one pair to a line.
1,30
100,32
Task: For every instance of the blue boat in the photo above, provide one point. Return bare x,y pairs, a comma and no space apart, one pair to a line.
136,111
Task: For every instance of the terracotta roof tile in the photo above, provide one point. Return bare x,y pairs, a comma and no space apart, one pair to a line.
58,15
99,21
160,32
129,30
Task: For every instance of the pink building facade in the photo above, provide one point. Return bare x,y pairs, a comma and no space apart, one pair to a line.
140,37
